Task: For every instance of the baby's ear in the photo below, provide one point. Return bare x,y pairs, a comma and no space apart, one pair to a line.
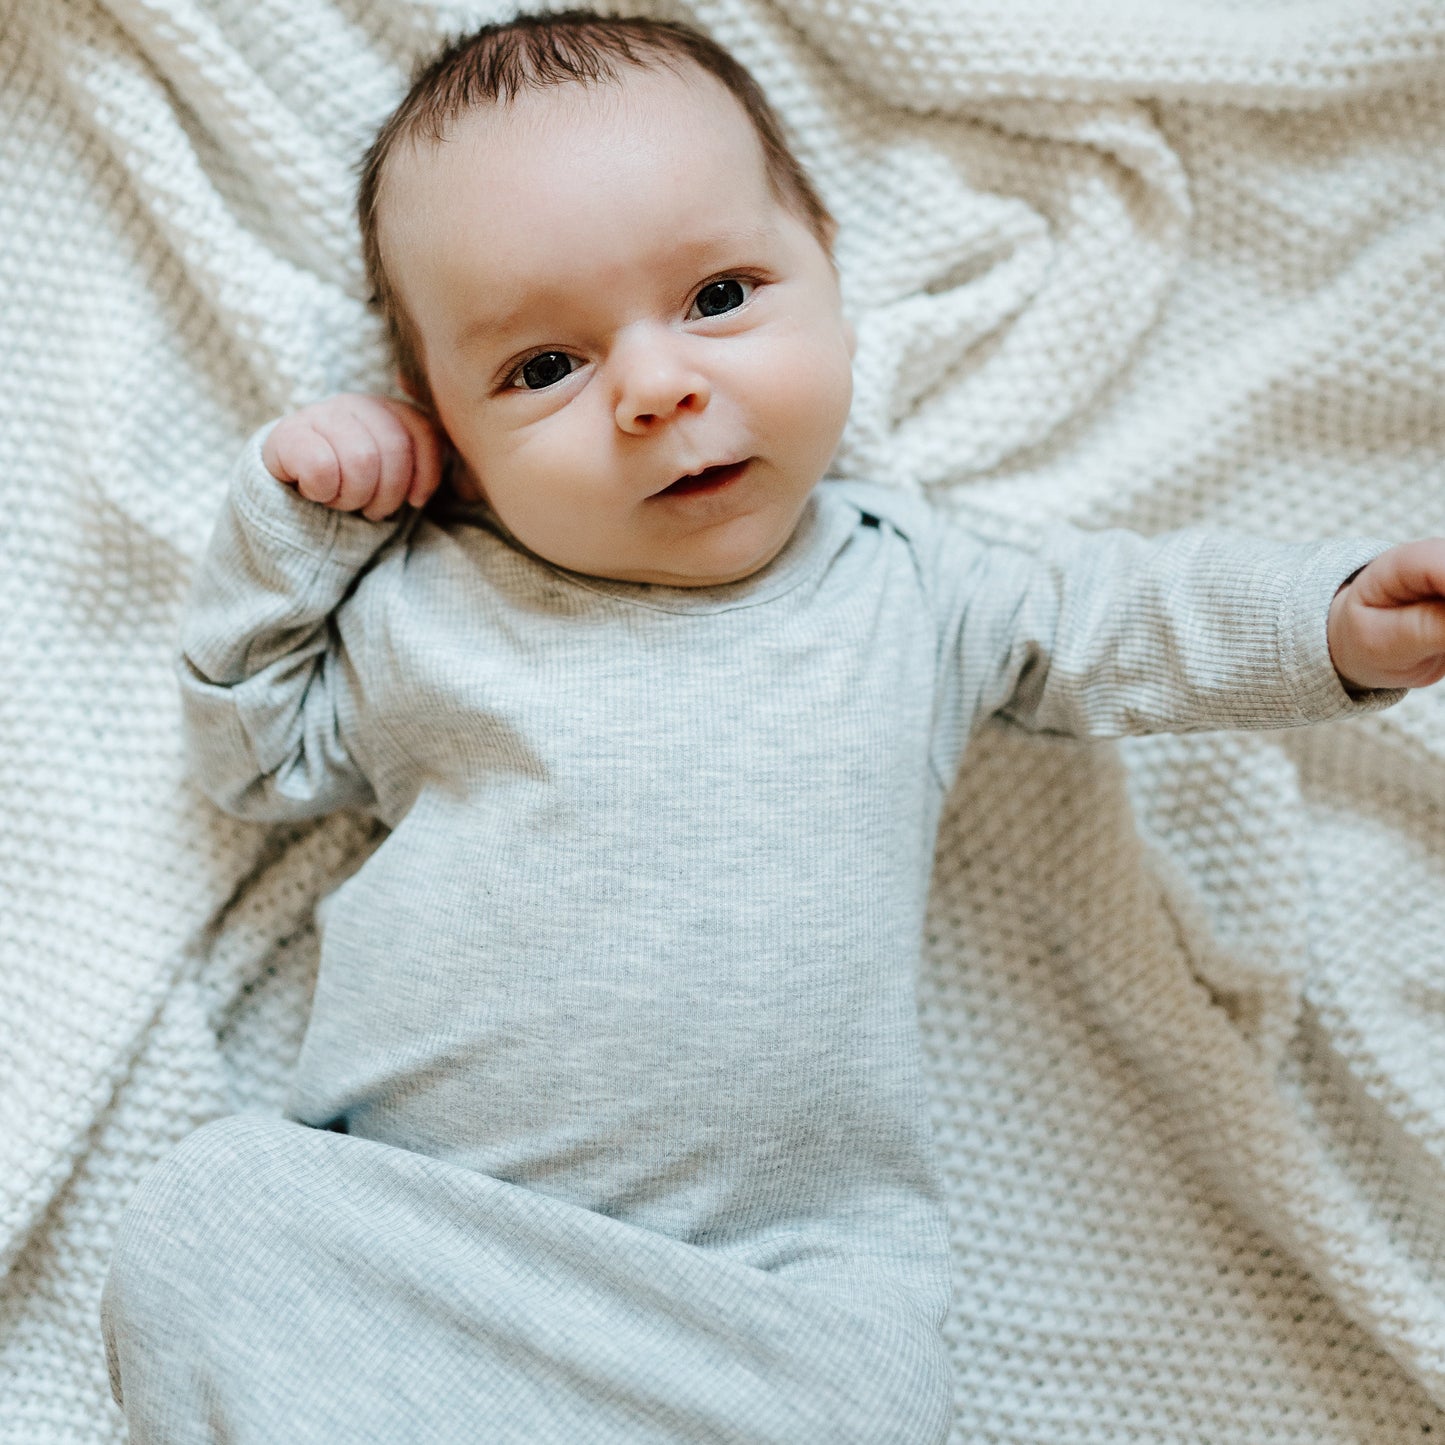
464,480
419,396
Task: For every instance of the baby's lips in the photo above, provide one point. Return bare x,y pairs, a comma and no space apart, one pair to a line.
719,474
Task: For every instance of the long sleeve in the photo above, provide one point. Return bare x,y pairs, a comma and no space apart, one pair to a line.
270,690
1108,634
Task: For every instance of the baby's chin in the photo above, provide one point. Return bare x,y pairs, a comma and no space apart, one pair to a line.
709,544
670,579
663,572
738,559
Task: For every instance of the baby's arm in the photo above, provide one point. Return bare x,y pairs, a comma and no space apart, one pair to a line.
274,670
1109,634
1387,623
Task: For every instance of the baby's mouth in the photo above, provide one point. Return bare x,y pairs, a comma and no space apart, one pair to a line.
709,479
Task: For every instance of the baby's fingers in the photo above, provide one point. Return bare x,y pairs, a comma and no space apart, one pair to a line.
1407,573
357,453
299,454
426,454
1416,646
377,470
1378,646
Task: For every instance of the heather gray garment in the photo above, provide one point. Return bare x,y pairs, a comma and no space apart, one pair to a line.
620,1019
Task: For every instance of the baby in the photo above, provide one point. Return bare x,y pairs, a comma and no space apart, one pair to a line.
610,1125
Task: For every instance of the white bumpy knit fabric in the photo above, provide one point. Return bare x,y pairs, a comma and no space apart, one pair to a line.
1144,262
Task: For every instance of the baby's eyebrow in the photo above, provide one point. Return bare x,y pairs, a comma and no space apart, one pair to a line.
712,251
496,327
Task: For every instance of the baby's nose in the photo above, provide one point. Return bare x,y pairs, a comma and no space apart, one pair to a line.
657,383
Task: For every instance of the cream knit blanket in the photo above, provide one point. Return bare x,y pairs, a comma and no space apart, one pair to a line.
1144,262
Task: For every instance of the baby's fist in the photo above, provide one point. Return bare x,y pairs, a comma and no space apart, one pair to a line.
1387,624
356,453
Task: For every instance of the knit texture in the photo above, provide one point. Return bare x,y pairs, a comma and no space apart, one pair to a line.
1132,263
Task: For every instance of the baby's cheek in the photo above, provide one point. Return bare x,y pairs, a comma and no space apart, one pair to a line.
550,493
513,462
811,395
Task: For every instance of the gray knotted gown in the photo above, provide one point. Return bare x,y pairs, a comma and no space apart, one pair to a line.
619,1022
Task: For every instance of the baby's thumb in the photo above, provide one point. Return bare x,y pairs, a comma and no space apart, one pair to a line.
427,449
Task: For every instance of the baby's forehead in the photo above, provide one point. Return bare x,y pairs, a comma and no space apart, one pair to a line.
554,117
577,185
544,157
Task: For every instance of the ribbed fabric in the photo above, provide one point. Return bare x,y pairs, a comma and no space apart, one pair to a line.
641,944
1124,263
278,1283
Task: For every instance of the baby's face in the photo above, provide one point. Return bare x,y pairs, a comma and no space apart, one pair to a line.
610,300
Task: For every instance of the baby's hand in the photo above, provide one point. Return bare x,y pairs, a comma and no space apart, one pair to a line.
1387,624
357,453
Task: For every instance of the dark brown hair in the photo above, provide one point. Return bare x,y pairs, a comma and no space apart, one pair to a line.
532,52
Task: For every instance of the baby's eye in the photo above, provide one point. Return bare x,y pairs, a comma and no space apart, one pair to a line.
545,369
718,297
